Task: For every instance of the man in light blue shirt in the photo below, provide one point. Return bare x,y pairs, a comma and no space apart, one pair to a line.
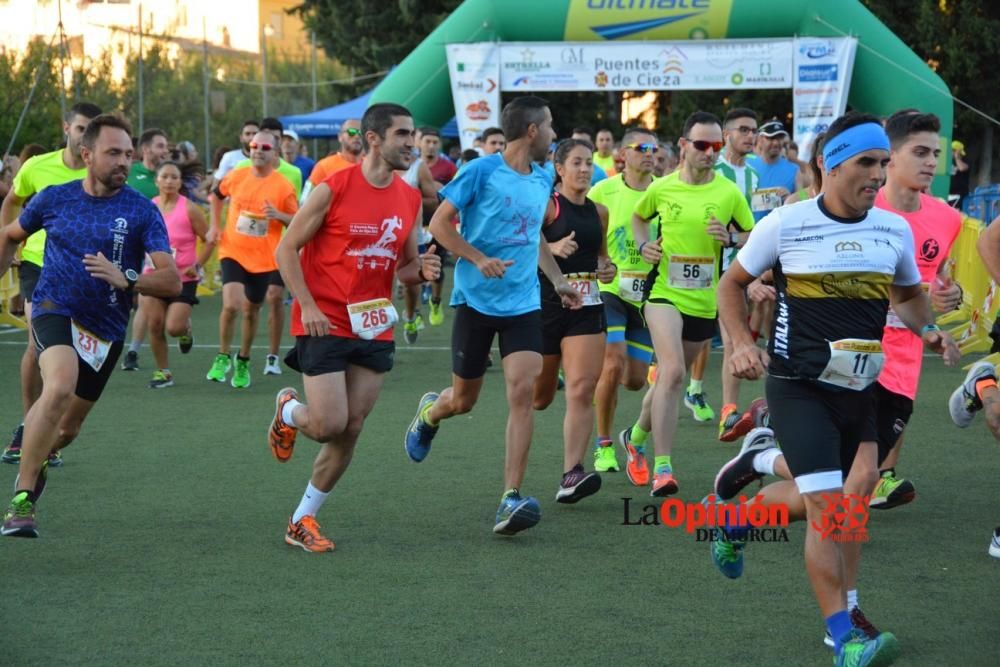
502,199
775,171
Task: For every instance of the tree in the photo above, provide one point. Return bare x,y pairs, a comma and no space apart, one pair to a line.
372,36
961,42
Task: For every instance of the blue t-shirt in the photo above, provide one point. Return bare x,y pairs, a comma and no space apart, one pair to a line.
781,174
501,212
124,228
305,165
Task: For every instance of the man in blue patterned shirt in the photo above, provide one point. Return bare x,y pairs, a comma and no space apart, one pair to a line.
98,231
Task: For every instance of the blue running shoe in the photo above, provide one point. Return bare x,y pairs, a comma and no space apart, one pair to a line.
516,513
420,435
727,550
860,650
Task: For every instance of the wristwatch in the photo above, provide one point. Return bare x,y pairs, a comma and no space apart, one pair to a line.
132,277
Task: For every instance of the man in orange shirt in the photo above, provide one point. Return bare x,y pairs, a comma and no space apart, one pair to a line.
350,153
261,201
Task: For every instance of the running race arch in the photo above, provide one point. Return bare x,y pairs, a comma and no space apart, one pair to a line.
890,78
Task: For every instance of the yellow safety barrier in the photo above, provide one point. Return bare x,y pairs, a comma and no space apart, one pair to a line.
9,288
966,268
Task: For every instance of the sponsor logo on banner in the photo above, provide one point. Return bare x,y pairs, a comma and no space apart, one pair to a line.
527,62
595,20
818,73
816,111
601,79
812,129
815,50
486,85
478,110
829,90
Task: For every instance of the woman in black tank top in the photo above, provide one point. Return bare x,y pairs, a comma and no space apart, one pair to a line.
575,229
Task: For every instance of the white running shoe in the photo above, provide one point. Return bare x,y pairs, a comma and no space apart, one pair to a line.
995,544
964,402
272,367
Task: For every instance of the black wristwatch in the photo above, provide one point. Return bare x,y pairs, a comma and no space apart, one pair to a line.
132,277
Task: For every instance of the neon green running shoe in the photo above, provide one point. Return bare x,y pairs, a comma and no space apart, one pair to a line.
436,317
699,407
861,650
410,329
892,492
220,368
241,376
605,459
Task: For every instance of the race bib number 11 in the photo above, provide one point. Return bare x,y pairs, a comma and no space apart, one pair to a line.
854,363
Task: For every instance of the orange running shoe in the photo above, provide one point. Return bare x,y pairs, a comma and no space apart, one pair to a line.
732,424
664,483
281,435
305,533
637,469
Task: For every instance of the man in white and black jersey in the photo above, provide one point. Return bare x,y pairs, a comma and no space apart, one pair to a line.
837,263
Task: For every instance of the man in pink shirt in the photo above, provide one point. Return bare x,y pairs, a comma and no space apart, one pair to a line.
915,150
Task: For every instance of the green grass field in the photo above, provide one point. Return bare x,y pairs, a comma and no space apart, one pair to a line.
161,541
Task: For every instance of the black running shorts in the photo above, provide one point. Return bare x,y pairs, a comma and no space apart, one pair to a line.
696,329
50,330
319,355
819,429
559,323
254,284
472,338
893,412
28,274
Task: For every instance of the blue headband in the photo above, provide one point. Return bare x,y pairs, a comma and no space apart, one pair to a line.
852,141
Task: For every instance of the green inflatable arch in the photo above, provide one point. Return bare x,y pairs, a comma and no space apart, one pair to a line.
421,82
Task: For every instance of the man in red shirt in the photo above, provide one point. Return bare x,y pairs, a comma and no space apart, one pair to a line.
357,229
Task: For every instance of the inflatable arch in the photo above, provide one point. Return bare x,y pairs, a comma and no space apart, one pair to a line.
890,78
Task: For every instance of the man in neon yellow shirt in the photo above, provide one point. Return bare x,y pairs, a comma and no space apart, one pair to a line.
700,213
276,290
629,348
55,168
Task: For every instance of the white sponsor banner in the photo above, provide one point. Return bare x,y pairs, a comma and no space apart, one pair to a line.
686,65
475,87
823,67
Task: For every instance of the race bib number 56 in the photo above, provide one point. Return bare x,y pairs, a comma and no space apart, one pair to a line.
691,272
369,319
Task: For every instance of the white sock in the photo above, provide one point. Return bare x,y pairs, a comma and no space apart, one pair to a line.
134,346
694,387
763,462
311,501
852,600
288,412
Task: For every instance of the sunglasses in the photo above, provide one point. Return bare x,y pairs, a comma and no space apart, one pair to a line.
254,146
353,132
700,145
746,129
644,148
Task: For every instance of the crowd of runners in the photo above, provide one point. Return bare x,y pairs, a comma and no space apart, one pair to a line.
599,265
